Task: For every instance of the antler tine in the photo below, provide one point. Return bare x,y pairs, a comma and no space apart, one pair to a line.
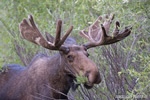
87,33
122,35
49,37
32,34
116,30
66,35
64,48
58,31
32,21
108,22
58,41
101,40
84,34
99,36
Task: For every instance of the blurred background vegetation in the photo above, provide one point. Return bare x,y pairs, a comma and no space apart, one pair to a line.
124,66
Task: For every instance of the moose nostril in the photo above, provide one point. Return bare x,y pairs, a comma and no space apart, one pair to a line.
87,74
88,55
93,77
98,79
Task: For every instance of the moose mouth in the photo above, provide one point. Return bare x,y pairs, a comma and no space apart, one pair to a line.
87,85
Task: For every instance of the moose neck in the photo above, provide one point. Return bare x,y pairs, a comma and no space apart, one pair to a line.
61,77
53,76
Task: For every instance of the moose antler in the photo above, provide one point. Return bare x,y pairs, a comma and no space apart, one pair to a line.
31,33
98,35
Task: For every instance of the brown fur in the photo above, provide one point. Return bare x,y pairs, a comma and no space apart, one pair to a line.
47,78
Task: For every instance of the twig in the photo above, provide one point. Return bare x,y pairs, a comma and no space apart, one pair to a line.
56,90
19,54
131,47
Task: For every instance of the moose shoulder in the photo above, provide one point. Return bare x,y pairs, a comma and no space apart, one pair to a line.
50,78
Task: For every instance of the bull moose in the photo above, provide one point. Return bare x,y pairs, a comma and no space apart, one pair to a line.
51,77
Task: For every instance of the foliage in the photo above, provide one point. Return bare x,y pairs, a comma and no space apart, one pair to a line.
81,79
124,66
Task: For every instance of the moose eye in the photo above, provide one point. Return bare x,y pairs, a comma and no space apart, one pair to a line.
85,48
70,58
88,55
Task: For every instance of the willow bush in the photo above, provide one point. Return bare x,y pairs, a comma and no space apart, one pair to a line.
124,66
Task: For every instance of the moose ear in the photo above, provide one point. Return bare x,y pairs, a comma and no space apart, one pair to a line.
70,40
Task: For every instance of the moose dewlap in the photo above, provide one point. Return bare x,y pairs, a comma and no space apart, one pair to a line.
51,77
